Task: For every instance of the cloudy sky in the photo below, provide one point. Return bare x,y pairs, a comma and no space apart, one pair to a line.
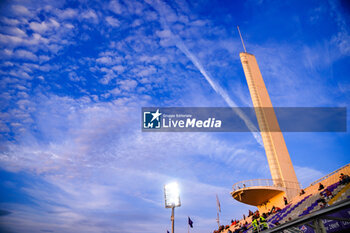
75,74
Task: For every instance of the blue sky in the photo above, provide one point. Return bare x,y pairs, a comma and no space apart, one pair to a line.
75,74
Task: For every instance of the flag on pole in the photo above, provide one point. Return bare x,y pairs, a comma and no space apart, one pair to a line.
218,203
190,222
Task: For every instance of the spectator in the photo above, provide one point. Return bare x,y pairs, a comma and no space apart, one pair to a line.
285,201
328,194
320,186
263,223
250,213
273,210
302,192
322,202
344,179
243,216
255,224
257,214
244,227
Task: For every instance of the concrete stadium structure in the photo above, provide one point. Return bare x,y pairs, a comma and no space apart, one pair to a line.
304,212
265,193
323,209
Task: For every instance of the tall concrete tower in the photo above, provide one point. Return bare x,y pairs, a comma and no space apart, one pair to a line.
280,164
264,193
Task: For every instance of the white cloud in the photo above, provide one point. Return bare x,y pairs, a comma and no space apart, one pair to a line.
14,31
20,10
119,68
54,22
105,60
69,26
135,7
74,77
25,54
115,91
39,27
4,39
44,58
20,74
90,15
67,13
112,21
146,71
44,26
342,41
164,33
10,21
127,85
115,6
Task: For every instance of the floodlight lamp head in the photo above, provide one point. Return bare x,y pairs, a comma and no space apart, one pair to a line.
172,195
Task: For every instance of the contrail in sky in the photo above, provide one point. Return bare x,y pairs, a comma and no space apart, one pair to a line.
161,8
218,89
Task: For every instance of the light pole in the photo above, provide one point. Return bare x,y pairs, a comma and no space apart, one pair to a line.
172,200
172,219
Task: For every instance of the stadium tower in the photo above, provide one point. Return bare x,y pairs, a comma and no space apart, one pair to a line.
265,193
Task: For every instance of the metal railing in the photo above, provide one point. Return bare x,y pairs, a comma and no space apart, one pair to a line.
265,182
315,218
330,174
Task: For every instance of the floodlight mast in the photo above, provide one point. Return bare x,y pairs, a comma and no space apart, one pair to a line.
172,200
172,219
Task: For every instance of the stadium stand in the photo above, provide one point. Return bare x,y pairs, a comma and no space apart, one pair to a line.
336,191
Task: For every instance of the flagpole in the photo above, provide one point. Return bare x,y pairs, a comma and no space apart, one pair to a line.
188,226
218,220
218,210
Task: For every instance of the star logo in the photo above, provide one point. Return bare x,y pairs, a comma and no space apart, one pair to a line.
151,120
156,115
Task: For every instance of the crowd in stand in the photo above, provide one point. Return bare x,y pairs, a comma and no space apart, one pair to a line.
326,195
239,227
259,222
